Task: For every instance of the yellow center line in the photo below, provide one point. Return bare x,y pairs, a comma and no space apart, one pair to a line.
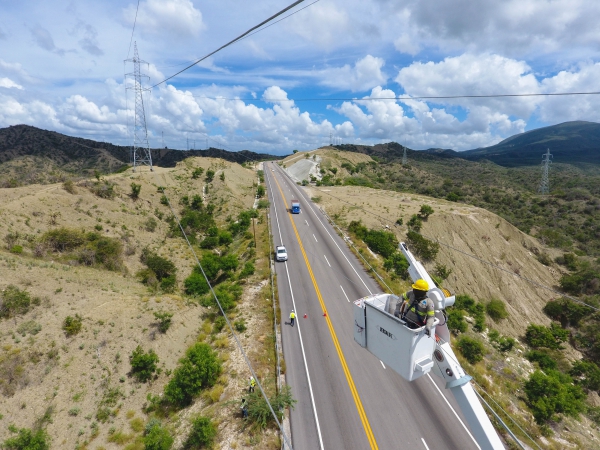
359,406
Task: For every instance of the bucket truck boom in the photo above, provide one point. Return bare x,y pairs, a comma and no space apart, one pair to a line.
412,353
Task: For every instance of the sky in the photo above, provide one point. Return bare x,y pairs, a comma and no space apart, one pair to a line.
327,73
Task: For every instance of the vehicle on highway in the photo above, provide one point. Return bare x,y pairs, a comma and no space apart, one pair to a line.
280,253
295,207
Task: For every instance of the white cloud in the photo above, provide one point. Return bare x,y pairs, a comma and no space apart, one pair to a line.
365,75
322,24
470,74
177,18
44,39
8,83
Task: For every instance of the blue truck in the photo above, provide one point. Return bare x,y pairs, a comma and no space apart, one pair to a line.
295,207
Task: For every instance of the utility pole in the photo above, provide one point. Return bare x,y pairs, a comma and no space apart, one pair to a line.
254,229
404,158
140,152
330,137
544,188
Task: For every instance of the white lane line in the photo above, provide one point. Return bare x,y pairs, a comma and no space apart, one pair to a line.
344,292
327,260
384,368
336,244
315,237
450,406
425,443
312,396
307,222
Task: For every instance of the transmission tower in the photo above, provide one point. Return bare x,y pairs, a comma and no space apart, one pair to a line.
140,152
545,183
404,158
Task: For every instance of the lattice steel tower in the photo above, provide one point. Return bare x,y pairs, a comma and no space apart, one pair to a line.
404,158
545,183
140,152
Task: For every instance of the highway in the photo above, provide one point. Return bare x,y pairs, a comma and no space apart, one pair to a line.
347,399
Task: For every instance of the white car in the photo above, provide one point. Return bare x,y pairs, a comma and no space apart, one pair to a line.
280,253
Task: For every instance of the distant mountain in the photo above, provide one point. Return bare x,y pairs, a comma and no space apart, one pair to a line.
52,151
569,142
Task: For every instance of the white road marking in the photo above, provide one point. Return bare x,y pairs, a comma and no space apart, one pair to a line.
315,237
344,292
307,223
327,260
450,406
425,443
384,368
312,397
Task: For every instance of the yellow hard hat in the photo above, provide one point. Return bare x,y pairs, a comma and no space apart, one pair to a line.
421,285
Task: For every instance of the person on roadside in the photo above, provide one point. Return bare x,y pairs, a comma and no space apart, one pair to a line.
417,309
244,408
292,317
251,384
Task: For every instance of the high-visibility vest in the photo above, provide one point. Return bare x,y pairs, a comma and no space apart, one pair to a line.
414,312
292,315
252,382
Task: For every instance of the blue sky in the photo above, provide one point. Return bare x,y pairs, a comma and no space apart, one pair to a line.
62,69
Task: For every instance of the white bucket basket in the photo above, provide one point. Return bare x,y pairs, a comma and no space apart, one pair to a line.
408,352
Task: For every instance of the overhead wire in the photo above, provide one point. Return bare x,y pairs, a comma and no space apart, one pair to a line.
228,322
133,29
540,285
241,36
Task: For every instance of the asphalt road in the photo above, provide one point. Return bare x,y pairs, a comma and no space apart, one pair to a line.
346,398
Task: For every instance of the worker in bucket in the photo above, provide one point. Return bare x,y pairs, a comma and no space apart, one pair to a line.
417,309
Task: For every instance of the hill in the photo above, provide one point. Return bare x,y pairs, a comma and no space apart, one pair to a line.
31,155
569,142
93,252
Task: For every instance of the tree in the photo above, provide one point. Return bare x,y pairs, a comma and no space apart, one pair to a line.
496,309
422,247
260,191
198,171
553,393
210,175
195,284
27,439
548,337
472,349
143,364
203,433
164,320
156,437
198,370
425,212
415,223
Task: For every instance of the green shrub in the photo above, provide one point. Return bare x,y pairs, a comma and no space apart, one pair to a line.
259,413
586,374
198,370
210,175
27,439
162,267
157,438
553,393
102,189
415,223
197,172
425,212
102,250
549,337
196,203
472,349
225,237
135,191
72,325
195,284
203,433
14,301
164,320
16,249
63,239
240,325
422,247
496,309
209,242
442,271
150,224
164,200
542,358
398,264
260,191
382,242
220,322
143,365
585,281
566,311
456,321
247,270
263,204
69,186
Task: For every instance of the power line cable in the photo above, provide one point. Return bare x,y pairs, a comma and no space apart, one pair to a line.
241,36
235,337
257,31
540,285
133,29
